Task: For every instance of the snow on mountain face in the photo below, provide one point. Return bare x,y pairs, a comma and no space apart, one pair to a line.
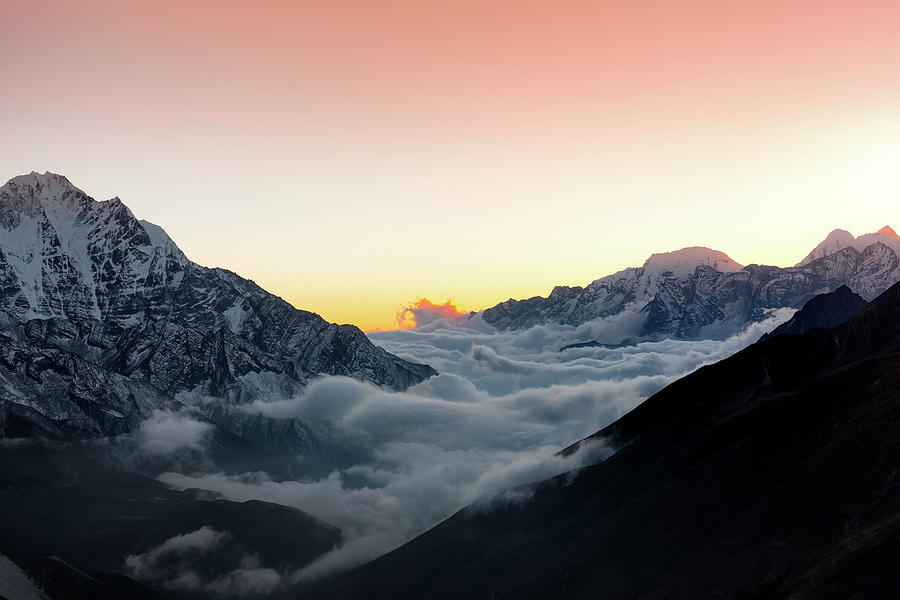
836,241
87,281
840,239
694,293
686,260
68,255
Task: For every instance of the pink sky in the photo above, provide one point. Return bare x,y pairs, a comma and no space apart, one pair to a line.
353,156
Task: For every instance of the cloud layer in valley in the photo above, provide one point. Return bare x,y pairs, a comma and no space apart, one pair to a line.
179,565
494,419
169,432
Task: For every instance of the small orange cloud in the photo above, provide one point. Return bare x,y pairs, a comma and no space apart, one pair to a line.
424,311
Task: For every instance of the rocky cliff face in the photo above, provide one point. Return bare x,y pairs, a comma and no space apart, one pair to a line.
689,296
85,287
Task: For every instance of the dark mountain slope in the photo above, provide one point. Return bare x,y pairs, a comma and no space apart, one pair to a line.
824,310
58,580
61,500
771,474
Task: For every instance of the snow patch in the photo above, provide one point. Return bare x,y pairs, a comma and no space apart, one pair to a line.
686,261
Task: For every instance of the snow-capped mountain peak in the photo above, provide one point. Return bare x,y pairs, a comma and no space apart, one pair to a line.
887,231
67,254
839,239
116,316
45,180
834,242
688,259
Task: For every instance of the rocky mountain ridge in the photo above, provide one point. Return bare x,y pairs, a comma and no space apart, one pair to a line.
689,296
86,288
840,238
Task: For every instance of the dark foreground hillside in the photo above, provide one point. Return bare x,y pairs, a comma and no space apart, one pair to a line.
771,474
76,523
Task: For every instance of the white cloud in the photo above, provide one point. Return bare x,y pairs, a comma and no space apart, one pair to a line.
167,432
247,581
173,565
146,566
495,418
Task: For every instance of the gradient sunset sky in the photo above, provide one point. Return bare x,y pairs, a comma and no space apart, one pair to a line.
353,156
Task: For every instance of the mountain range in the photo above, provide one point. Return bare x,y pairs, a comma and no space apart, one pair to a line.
768,474
86,288
697,293
104,320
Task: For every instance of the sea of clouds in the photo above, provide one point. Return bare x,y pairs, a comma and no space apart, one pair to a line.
494,419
